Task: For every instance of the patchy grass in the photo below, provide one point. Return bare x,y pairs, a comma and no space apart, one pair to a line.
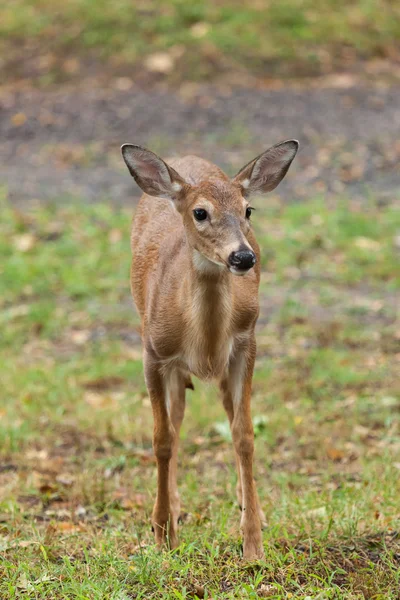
198,39
77,474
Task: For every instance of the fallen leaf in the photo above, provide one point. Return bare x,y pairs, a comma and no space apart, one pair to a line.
362,431
21,310
65,479
367,243
123,84
266,590
61,514
47,488
4,544
26,543
199,440
18,119
71,66
199,591
80,337
68,527
335,454
24,242
159,62
103,383
115,236
127,502
97,400
389,401
23,583
317,512
199,30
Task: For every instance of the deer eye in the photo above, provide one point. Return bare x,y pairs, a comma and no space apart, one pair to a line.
200,214
249,210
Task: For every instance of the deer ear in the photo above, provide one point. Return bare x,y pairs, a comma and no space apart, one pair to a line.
265,172
151,173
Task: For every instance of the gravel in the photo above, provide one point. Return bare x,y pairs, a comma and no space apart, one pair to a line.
65,143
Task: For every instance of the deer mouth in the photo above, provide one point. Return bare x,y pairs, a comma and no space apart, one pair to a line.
238,272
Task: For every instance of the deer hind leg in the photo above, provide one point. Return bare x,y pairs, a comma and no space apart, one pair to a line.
163,442
176,385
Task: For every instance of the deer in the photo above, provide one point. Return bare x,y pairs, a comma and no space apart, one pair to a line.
194,279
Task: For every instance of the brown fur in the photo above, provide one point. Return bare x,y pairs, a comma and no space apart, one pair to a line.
197,316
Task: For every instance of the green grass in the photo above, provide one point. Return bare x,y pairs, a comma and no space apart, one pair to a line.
201,39
77,474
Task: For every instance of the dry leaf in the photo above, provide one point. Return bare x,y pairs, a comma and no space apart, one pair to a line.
68,527
266,590
362,431
26,543
43,579
65,479
335,454
159,62
4,544
199,591
317,512
115,236
24,242
80,337
37,454
367,243
123,84
103,383
21,310
71,66
18,119
97,400
199,30
129,503
47,488
23,583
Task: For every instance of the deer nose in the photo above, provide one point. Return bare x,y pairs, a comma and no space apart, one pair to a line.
243,260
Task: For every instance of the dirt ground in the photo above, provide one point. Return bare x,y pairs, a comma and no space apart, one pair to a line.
65,142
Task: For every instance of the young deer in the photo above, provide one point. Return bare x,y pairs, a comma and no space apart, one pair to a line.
194,278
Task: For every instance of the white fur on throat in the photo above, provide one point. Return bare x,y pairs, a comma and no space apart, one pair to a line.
204,265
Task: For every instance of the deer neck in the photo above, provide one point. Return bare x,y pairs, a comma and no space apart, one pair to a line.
209,305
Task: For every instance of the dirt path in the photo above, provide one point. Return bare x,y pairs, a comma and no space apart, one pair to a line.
62,143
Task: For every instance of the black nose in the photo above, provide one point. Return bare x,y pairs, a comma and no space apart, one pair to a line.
242,260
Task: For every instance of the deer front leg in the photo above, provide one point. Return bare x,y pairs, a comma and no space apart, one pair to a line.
240,378
227,400
163,440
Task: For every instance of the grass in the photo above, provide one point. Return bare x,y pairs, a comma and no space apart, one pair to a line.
199,39
77,474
